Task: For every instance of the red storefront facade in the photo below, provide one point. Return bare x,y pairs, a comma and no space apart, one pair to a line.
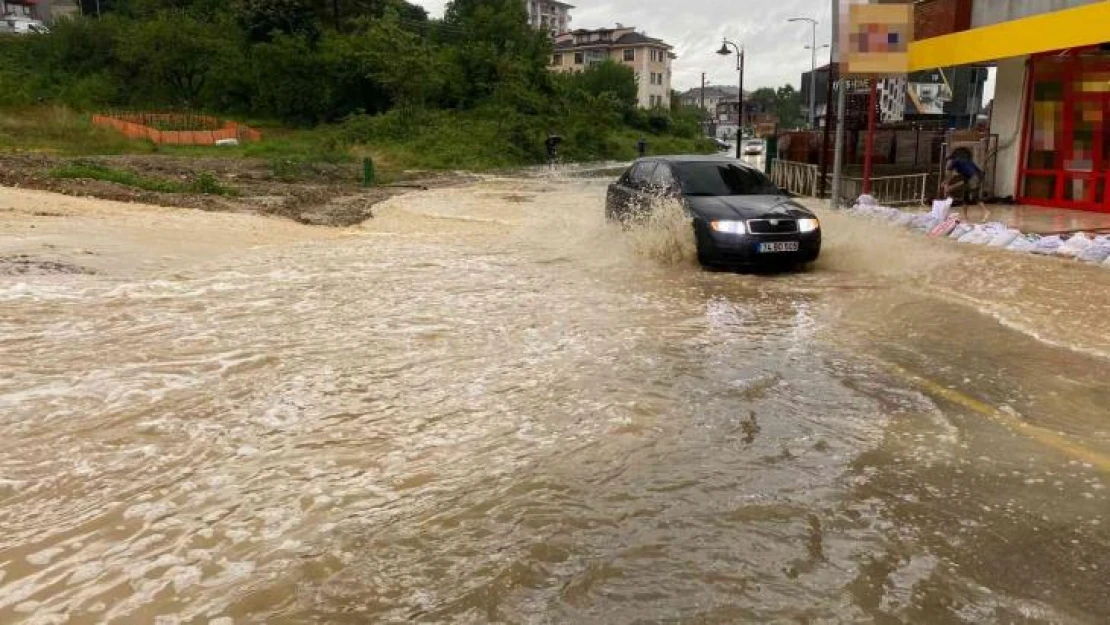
1065,154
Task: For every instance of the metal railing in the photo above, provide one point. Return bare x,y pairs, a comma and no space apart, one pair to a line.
904,190
804,179
795,177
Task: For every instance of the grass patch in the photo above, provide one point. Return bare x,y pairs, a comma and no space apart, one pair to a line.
432,140
59,130
204,183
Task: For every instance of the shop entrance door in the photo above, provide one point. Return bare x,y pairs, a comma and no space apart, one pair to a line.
1067,160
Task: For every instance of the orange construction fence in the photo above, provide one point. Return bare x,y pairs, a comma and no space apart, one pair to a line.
137,126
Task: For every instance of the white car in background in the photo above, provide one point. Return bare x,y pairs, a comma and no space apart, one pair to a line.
753,147
21,25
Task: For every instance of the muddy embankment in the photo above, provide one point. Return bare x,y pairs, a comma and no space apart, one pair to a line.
322,194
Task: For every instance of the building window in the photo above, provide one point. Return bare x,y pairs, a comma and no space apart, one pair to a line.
630,54
557,59
578,58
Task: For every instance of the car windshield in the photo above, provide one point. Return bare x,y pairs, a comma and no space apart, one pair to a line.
721,178
754,142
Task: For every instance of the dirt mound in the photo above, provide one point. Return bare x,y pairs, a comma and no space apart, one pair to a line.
328,195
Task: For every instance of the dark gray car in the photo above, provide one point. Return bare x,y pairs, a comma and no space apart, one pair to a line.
739,216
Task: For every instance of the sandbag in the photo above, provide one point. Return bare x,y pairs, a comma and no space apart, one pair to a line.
977,236
905,219
1047,245
924,222
945,227
960,230
941,208
980,237
1074,245
1023,244
1004,238
1097,252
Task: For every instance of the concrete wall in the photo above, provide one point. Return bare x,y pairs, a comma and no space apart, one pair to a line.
1006,121
987,12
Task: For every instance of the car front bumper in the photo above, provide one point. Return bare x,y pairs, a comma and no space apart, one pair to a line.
743,249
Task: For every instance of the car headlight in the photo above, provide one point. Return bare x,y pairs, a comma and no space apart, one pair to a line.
808,225
730,227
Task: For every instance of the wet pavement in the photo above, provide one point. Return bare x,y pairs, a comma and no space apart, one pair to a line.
488,405
1044,220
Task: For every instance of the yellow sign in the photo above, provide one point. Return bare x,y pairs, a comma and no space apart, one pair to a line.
876,39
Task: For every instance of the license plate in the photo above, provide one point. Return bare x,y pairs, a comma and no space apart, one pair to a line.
778,246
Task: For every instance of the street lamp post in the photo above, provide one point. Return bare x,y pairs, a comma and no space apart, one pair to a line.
813,87
724,51
812,70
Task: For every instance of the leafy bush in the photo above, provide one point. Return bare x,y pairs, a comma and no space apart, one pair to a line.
208,184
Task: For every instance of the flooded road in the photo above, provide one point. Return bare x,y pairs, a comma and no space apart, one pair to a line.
487,405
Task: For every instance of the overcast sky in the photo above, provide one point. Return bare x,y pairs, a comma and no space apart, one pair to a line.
775,48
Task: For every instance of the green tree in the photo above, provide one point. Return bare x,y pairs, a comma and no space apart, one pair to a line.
608,77
383,52
485,37
263,18
766,99
292,79
790,108
169,58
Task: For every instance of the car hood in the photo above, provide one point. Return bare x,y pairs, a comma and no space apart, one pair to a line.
746,207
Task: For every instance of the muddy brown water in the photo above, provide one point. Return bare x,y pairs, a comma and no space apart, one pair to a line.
487,405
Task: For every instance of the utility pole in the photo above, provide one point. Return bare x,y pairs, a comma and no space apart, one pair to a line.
869,145
823,182
704,113
724,51
841,97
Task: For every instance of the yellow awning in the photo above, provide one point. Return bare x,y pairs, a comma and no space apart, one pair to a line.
1071,28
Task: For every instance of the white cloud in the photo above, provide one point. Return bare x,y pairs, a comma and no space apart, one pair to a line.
775,49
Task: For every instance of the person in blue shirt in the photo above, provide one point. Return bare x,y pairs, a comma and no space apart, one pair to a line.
963,171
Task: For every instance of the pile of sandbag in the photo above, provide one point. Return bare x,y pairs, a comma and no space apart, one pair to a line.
940,223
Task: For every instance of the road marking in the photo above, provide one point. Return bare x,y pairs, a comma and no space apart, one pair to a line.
1013,421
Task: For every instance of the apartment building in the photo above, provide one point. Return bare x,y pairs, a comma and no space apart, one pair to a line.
41,10
708,97
650,58
1051,109
549,15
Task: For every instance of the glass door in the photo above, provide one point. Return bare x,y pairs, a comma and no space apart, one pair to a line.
1067,159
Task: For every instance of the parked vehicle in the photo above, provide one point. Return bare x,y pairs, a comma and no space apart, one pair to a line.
740,218
721,144
21,25
753,147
